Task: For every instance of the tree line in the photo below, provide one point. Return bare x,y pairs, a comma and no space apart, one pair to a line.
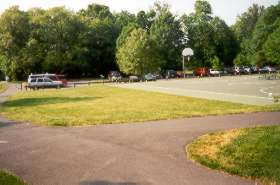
94,40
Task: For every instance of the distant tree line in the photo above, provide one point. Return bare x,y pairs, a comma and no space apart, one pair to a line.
94,40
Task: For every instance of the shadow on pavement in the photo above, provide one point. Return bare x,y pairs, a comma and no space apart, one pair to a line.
7,123
106,183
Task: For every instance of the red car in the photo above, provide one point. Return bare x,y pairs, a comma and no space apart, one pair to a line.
202,71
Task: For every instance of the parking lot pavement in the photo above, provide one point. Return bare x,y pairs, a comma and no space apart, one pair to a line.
241,89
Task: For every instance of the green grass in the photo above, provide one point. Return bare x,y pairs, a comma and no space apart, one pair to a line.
253,152
7,178
3,87
102,104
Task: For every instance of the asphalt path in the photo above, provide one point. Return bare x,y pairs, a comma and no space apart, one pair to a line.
151,153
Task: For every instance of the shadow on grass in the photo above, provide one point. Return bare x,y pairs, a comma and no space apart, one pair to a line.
46,101
106,183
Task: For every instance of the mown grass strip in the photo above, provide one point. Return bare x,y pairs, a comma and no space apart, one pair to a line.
7,178
252,153
102,104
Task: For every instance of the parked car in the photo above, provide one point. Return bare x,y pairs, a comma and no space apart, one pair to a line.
134,79
238,70
171,74
36,83
114,76
263,70
216,72
46,80
228,70
271,69
247,70
179,74
202,71
255,69
150,77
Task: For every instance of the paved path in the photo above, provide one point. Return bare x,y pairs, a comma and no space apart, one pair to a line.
12,89
149,153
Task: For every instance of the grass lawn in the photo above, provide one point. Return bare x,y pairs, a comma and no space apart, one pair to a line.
3,87
7,178
102,104
253,152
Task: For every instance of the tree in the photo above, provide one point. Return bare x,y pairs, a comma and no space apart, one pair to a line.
216,64
241,60
272,47
225,44
61,30
136,56
99,41
97,11
203,9
123,19
208,36
14,33
126,31
266,25
166,32
246,22
145,20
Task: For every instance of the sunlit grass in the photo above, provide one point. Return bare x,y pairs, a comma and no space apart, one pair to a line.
253,152
3,87
7,178
102,104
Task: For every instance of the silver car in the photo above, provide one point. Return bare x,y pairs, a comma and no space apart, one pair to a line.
44,82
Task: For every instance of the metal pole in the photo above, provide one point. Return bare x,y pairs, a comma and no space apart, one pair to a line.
184,66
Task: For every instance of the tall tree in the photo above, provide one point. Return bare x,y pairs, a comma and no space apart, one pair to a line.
199,32
137,55
14,33
62,29
167,33
265,26
243,29
272,47
124,18
208,36
97,11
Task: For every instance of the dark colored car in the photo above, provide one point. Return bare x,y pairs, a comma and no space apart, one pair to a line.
171,74
228,70
150,77
114,76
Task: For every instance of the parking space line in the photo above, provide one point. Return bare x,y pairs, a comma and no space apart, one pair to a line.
3,142
210,92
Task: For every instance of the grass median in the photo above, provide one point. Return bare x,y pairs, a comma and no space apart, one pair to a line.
7,178
103,104
3,87
253,153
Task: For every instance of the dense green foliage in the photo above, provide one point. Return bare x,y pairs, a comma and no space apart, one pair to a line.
209,36
137,55
256,30
86,43
251,152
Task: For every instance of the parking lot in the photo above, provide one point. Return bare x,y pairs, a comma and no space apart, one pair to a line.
248,89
